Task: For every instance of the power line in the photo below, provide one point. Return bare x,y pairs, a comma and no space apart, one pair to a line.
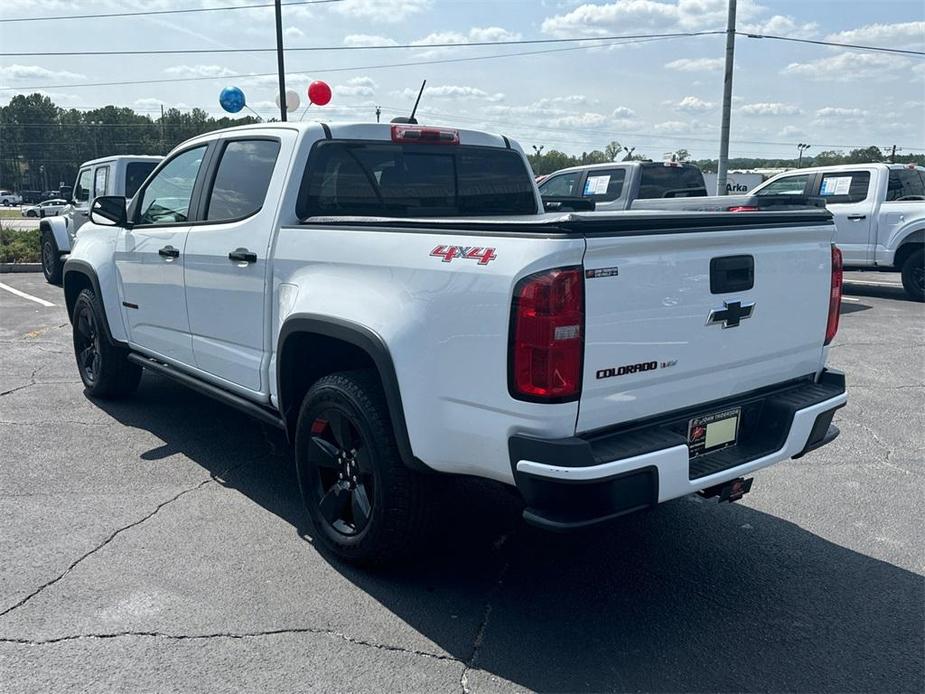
327,70
419,46
855,46
159,12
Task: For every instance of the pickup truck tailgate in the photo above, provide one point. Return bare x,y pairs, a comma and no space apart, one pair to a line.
656,304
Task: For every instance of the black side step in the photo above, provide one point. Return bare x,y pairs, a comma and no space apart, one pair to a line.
264,414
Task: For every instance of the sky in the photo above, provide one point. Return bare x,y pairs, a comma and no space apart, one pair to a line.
654,95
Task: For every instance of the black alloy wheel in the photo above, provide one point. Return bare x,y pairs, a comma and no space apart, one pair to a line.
87,344
343,484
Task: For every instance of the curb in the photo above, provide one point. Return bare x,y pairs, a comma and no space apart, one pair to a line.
20,267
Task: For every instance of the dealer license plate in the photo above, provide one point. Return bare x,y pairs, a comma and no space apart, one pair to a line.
713,431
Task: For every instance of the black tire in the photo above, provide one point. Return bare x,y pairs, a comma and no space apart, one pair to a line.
32,213
367,507
913,273
52,265
104,368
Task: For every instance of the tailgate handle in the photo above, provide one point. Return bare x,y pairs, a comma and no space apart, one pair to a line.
732,273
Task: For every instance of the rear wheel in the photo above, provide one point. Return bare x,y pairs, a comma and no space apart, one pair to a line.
913,274
366,505
104,368
51,260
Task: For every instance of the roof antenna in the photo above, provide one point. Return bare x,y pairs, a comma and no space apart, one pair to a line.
411,119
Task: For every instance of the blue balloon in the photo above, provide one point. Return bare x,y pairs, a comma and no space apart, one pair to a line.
231,99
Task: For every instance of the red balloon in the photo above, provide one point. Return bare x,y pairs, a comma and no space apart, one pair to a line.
319,93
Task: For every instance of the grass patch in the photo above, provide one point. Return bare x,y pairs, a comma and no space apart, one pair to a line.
10,214
19,246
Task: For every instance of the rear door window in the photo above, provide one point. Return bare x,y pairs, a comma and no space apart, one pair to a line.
905,183
604,185
409,180
660,181
787,185
844,187
100,180
563,185
242,179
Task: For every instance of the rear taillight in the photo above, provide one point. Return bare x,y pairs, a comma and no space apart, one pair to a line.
742,208
420,135
547,336
834,296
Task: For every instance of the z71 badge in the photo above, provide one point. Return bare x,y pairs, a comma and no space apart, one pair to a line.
450,253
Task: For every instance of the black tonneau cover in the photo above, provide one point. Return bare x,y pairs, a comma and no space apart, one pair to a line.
629,223
721,203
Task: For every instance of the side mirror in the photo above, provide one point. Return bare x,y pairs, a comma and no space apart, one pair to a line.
109,210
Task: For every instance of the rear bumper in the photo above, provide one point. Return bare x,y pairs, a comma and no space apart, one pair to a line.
581,481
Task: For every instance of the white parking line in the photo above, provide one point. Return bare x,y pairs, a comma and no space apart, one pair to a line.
848,298
11,290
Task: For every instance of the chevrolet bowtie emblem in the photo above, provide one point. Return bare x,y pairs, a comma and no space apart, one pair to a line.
732,313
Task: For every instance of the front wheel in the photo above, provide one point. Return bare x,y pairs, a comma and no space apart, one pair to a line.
366,506
913,274
52,265
32,213
104,368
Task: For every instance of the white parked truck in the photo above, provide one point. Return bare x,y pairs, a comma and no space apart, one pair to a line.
879,212
118,175
393,298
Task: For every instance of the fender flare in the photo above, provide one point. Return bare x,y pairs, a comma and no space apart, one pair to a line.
57,227
369,342
72,268
916,235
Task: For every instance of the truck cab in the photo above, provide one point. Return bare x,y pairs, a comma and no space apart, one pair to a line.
118,175
879,212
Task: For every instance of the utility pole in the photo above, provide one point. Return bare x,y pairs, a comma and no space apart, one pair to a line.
893,155
163,139
280,63
378,113
727,100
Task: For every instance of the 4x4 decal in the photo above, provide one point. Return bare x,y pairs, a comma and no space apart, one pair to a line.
449,253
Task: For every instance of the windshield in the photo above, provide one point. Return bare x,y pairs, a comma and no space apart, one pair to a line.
400,180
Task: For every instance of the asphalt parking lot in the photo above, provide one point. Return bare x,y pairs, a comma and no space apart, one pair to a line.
158,544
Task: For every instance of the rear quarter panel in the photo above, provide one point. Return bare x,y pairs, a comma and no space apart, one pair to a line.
445,324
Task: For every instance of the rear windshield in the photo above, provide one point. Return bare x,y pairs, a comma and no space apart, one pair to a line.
386,179
660,181
135,174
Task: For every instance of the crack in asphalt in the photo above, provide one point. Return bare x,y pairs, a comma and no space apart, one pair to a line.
112,536
230,635
471,662
18,388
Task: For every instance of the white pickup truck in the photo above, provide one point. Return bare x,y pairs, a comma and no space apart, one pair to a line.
117,175
879,212
392,297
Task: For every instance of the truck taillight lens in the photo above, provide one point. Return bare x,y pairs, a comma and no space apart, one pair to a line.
547,336
834,296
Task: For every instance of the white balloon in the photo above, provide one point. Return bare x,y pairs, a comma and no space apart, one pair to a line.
292,100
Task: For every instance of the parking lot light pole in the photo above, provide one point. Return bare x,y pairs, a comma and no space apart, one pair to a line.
802,149
727,100
280,62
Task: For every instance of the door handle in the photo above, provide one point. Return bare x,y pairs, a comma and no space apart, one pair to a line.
242,255
857,217
169,252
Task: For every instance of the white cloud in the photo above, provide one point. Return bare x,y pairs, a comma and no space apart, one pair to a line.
849,67
368,40
693,104
391,11
578,120
836,115
675,126
623,112
782,26
791,131
199,71
900,35
696,64
452,91
31,72
481,34
294,33
775,108
357,86
557,101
